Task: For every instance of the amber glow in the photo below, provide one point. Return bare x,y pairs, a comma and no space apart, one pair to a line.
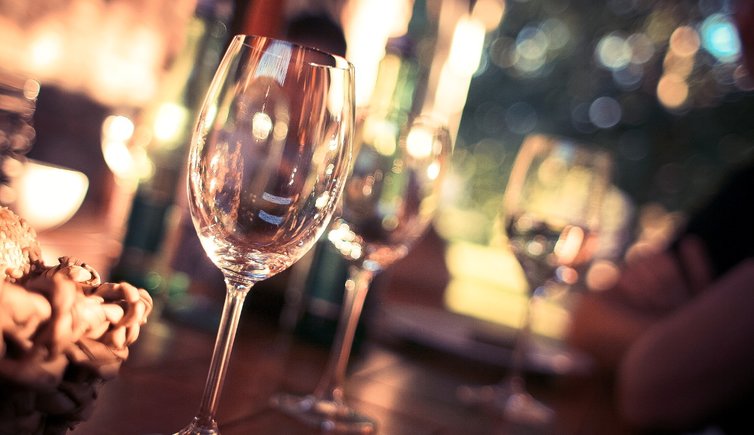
113,51
367,25
48,195
672,90
462,62
569,245
684,41
124,156
487,282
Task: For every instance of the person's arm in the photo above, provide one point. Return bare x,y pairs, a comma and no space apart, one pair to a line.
695,362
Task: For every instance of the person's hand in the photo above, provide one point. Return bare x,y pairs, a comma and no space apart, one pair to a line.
605,323
662,281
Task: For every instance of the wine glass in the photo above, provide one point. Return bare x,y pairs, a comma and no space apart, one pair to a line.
551,210
389,200
267,165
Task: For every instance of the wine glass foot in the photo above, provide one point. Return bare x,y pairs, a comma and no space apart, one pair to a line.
328,415
194,428
511,403
521,407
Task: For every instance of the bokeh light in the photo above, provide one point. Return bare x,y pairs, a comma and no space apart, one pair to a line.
642,48
720,38
613,51
557,33
672,91
605,112
531,49
684,41
489,12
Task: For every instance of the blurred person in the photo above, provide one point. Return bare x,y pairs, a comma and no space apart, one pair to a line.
677,329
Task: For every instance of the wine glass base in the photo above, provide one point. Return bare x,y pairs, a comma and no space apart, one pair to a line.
194,428
328,415
511,403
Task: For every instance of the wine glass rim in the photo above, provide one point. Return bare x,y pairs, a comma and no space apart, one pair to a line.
339,61
602,155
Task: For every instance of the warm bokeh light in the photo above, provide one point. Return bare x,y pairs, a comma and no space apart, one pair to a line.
114,51
681,66
487,283
466,47
684,41
569,244
171,122
46,51
420,142
127,71
367,26
382,134
455,76
124,156
672,91
489,12
48,195
261,126
117,130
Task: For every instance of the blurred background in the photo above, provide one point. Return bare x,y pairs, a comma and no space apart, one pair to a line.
115,85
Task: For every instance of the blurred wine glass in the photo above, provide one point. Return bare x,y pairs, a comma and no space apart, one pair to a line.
267,165
551,217
18,102
389,201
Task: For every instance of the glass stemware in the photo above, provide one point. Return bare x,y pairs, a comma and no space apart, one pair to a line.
551,210
389,200
268,161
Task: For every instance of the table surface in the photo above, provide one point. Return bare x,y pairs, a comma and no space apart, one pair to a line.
410,389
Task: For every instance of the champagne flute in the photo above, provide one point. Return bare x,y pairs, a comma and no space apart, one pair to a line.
551,210
267,165
389,200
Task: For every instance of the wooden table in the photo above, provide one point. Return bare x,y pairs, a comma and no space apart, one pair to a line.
409,389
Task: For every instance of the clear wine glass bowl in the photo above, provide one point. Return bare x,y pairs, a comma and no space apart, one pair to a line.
268,161
388,203
551,209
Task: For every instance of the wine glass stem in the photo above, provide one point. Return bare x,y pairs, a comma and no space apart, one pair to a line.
521,347
226,334
331,384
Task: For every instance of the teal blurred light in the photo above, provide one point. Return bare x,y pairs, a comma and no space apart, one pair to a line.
720,38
